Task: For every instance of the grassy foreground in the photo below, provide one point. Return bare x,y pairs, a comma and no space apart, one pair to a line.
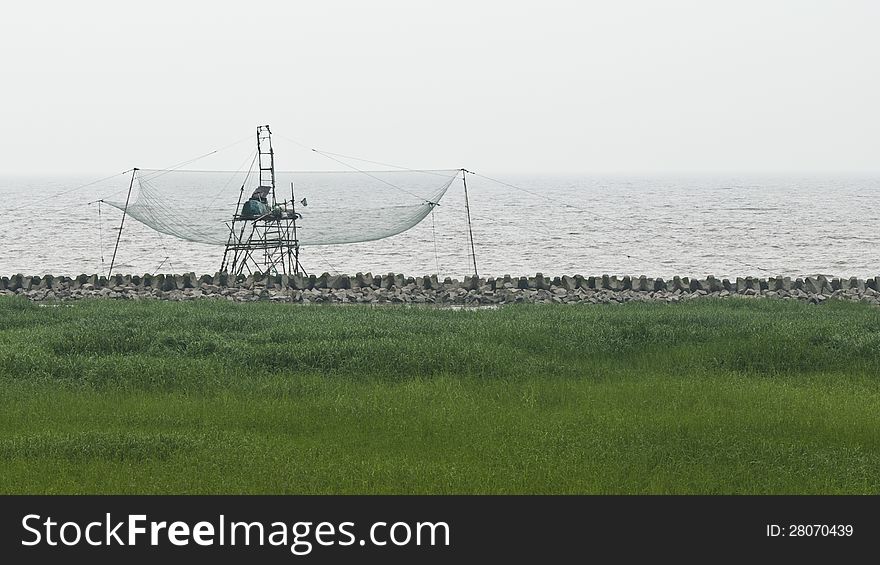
735,396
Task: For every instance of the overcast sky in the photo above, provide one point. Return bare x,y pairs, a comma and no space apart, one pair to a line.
627,87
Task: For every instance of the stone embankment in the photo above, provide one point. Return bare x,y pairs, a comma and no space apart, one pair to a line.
395,288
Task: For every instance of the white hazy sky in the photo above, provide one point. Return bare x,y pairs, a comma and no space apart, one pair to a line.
550,86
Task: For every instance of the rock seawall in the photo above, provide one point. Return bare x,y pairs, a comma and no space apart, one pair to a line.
395,288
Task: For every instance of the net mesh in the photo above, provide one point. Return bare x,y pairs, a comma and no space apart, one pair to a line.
342,207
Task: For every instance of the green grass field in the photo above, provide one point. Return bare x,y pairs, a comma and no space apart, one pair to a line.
734,396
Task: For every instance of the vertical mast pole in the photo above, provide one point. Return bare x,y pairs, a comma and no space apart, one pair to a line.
231,237
272,165
122,222
295,238
467,207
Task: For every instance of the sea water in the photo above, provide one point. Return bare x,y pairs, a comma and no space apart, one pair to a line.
659,226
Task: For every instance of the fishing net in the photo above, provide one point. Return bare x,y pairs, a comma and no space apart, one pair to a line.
341,207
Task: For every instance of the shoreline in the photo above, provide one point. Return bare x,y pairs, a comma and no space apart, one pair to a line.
395,288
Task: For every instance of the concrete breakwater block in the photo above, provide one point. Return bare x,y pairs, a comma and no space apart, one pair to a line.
713,284
568,283
471,290
539,282
679,283
386,281
641,284
15,282
167,283
362,280
779,283
300,282
473,283
338,282
611,283
431,283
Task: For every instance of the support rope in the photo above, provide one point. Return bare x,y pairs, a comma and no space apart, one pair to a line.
122,222
159,266
467,207
329,264
394,186
101,234
161,172
434,235
167,258
68,191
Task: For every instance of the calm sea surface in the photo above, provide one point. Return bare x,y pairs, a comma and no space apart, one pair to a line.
657,226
